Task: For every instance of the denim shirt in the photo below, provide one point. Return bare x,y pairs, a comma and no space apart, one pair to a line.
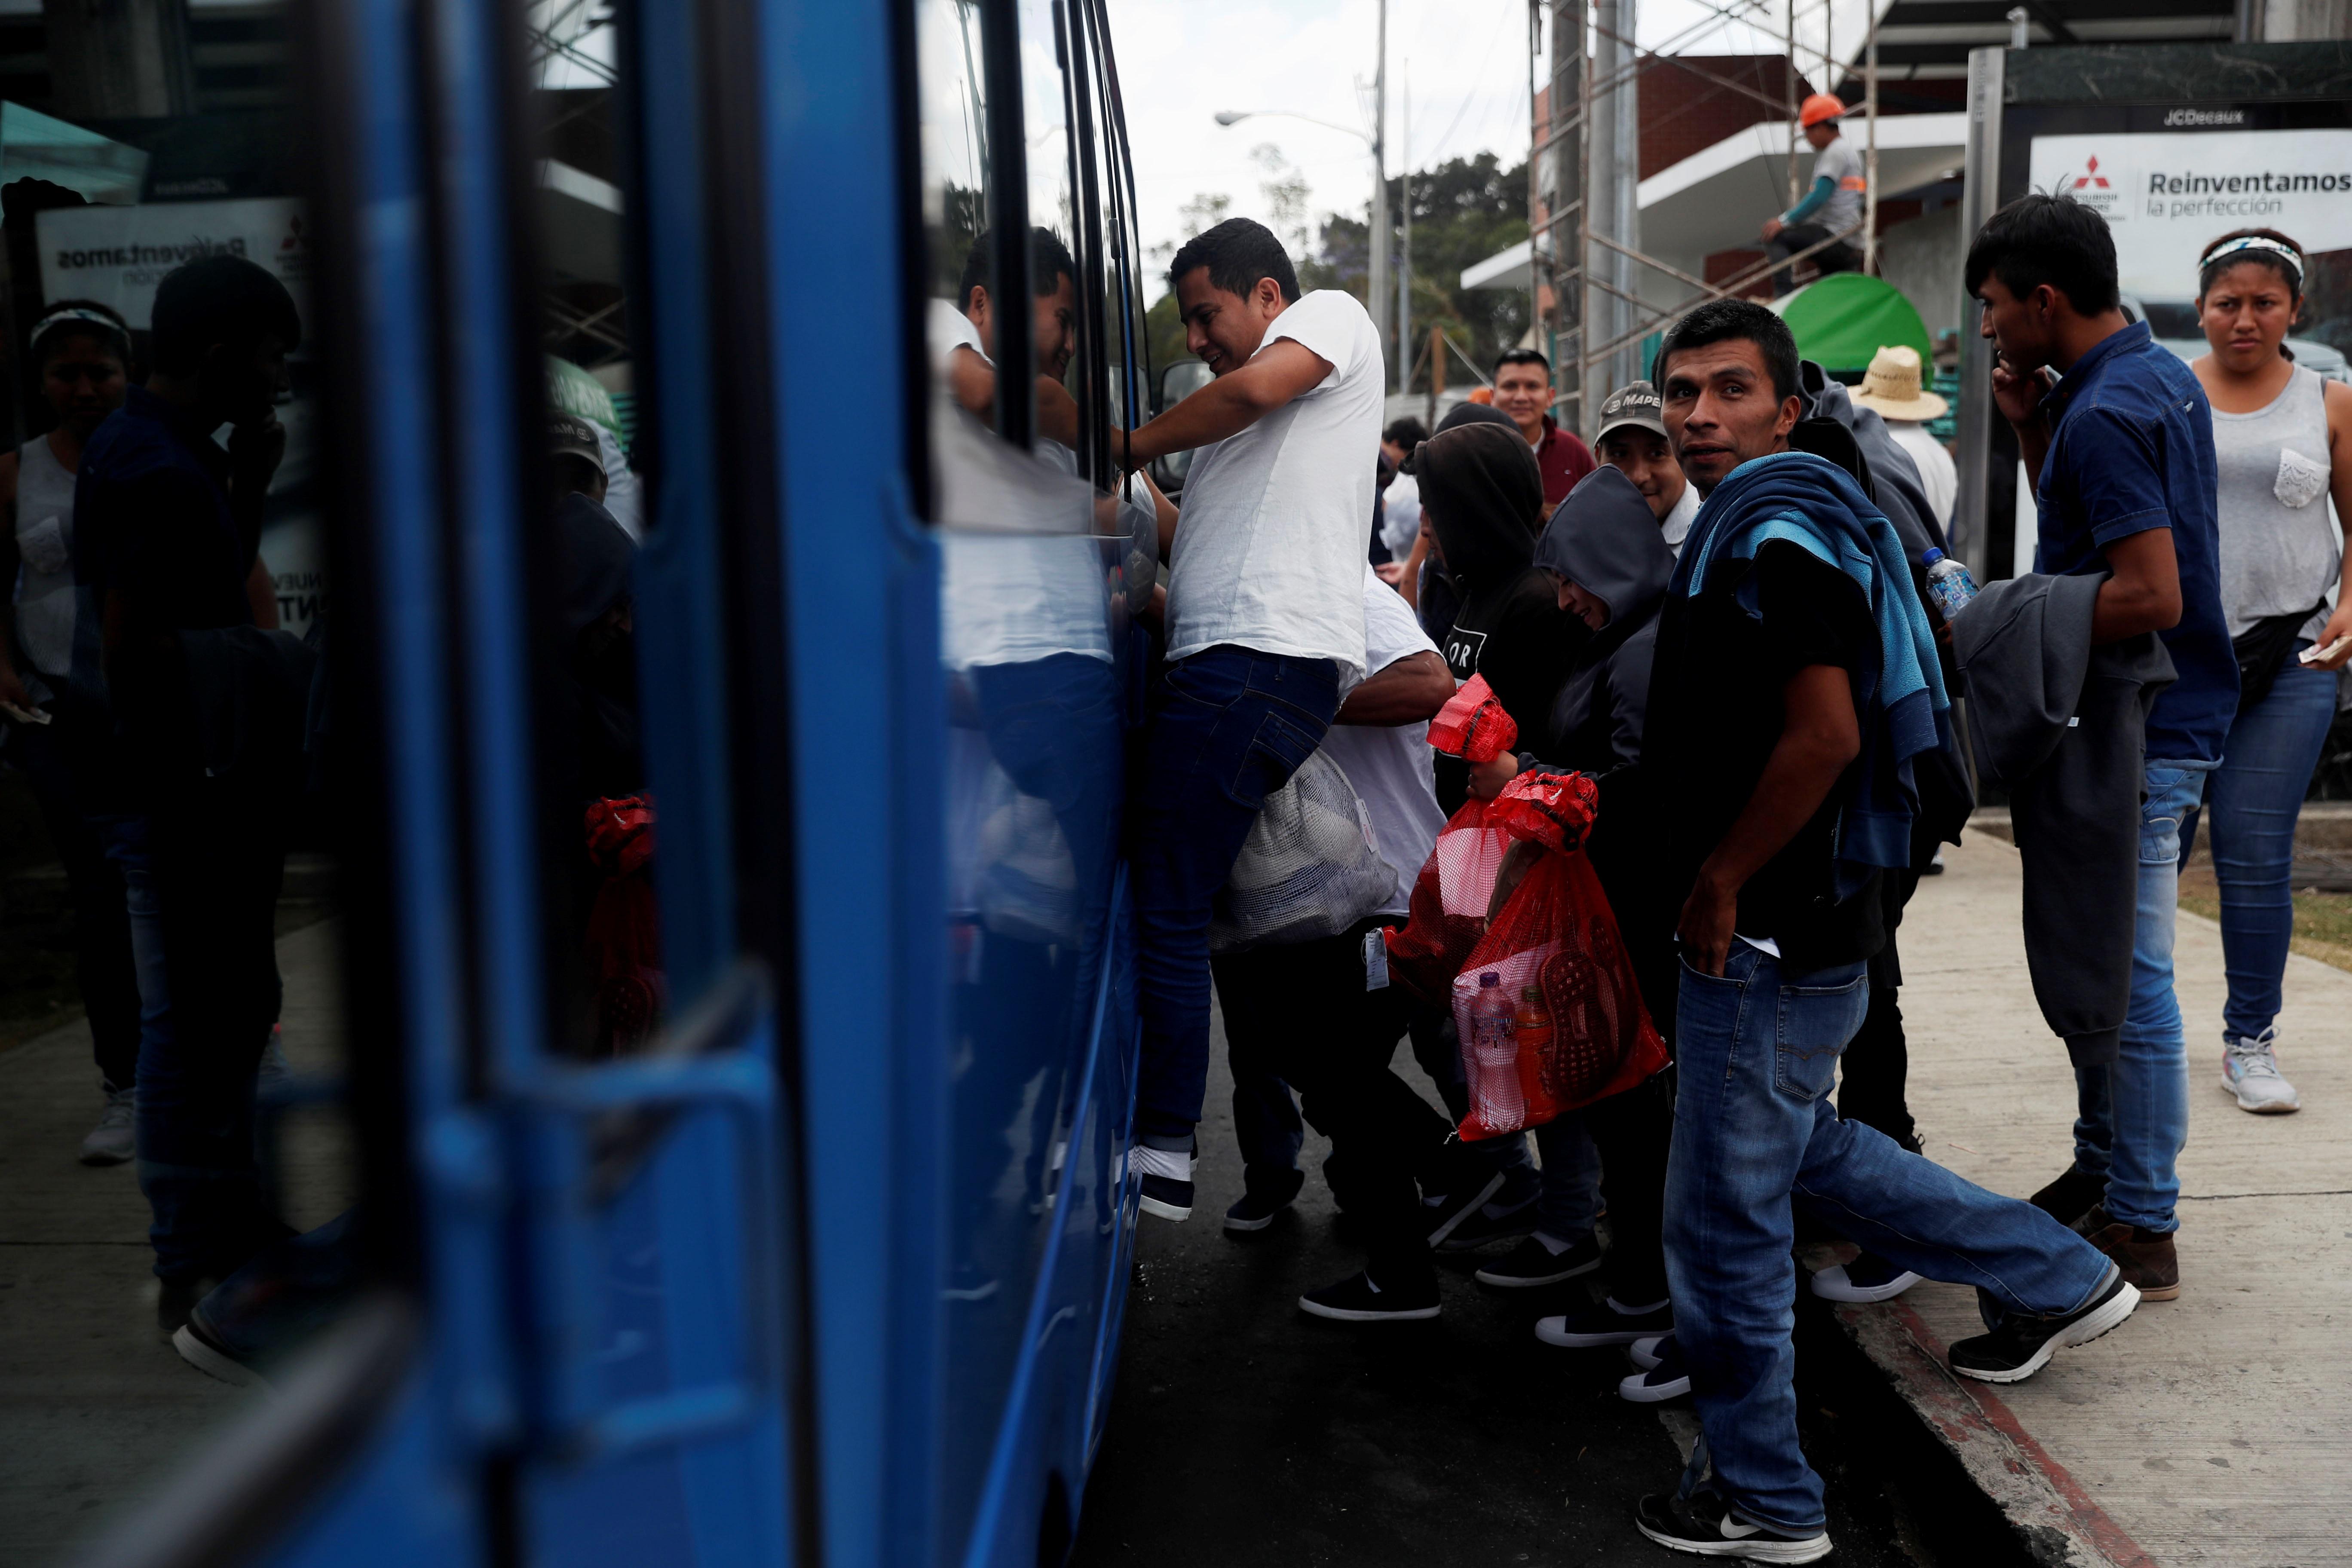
2131,448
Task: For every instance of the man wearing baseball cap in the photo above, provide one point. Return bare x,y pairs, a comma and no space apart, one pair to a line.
1834,204
1633,440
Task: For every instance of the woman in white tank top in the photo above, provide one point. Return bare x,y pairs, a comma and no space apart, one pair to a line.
2283,439
84,351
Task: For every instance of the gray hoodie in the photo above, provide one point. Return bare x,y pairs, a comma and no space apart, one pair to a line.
2061,724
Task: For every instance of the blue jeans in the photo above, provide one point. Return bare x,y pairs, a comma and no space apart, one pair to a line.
1571,1178
1757,1053
2252,803
200,875
124,841
1228,727
2132,1115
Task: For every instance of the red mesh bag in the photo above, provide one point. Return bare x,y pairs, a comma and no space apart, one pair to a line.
1472,725
1556,934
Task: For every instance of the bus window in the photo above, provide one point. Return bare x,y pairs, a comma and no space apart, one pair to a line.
193,1002
1029,560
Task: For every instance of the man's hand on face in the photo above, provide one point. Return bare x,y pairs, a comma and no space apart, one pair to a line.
2017,395
1706,927
257,448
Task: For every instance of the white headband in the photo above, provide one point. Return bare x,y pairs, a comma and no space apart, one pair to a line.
66,314
2254,242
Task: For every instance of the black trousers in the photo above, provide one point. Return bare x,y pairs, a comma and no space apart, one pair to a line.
103,970
1797,236
1300,1012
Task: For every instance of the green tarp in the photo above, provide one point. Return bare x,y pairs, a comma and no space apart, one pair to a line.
1841,320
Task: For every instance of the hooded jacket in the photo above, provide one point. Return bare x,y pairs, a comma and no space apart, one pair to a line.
1484,499
1606,540
2063,725
1891,476
1439,597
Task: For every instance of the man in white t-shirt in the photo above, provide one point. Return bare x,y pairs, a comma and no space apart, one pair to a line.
1264,624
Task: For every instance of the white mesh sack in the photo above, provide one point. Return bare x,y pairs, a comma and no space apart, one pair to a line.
1311,867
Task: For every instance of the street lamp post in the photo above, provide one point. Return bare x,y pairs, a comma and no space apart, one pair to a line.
1376,289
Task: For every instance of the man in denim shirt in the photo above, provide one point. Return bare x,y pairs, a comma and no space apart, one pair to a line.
2124,448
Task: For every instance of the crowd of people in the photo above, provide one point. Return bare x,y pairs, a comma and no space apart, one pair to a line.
1726,629
1717,620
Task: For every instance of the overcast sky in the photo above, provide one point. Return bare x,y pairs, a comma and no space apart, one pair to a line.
1181,61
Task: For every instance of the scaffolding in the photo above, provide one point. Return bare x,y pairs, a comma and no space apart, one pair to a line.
1587,249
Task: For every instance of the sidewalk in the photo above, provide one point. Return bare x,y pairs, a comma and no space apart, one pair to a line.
95,1410
2215,1429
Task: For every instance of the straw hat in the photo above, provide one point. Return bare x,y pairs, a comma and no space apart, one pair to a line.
1891,386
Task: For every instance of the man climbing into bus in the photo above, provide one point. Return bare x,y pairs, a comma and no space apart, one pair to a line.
1264,624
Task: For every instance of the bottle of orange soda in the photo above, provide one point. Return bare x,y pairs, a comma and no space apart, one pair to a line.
1531,1030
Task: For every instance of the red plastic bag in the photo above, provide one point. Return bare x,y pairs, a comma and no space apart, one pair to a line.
1446,913
1550,809
1472,725
623,935
1556,934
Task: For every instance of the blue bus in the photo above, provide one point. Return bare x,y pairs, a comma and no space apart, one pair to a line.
702,1086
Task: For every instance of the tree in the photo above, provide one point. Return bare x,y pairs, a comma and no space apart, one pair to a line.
1463,211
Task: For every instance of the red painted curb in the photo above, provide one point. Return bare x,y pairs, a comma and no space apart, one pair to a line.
2110,1539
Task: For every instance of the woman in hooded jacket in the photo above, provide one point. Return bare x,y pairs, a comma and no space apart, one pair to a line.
1483,495
1605,562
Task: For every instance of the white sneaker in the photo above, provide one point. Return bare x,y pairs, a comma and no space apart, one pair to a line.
2249,1070
115,1139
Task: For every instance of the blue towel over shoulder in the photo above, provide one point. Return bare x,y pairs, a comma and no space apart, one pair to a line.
1900,704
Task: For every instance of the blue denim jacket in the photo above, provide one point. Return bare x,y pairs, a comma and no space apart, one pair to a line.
2131,448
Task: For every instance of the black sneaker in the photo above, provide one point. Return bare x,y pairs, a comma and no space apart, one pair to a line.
1445,1211
2020,1345
1869,1278
1357,1299
1666,1377
203,1346
1490,1222
2069,1198
1533,1263
1255,1209
1165,1189
1609,1323
1706,1526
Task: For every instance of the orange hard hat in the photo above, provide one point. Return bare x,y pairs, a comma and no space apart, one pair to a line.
1820,107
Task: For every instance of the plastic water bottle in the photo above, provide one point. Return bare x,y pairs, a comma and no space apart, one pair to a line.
1494,1055
1948,582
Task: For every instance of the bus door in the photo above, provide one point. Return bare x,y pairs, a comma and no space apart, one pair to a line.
545,1245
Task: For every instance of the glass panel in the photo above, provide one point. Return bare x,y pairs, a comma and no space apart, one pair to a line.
171,794
1030,557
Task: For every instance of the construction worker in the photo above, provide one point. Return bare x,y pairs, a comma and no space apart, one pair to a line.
1833,205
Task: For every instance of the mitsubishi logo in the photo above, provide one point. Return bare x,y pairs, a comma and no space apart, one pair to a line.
2090,177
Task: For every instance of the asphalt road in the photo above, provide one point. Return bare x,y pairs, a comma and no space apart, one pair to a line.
1244,1432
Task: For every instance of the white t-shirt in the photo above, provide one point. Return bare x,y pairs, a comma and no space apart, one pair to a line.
1938,475
1390,764
1675,528
1022,576
1269,550
1401,515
